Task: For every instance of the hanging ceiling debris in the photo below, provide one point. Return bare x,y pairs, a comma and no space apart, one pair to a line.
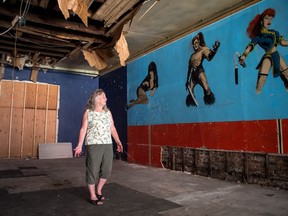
48,33
95,37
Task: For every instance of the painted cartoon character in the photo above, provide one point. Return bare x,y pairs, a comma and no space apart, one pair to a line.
196,73
150,83
268,39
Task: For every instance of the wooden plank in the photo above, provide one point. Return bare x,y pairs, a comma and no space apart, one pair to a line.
10,120
28,133
4,131
16,133
118,10
53,97
6,93
55,22
39,130
51,128
30,96
23,119
42,96
112,7
18,94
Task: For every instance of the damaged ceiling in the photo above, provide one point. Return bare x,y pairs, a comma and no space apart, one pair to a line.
96,36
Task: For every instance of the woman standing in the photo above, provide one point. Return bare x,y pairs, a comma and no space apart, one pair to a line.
268,39
97,128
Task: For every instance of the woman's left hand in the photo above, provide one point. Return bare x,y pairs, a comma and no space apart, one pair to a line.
119,147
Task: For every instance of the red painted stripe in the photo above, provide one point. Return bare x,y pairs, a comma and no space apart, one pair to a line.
285,136
255,136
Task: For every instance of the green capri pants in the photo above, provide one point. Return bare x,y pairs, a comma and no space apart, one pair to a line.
99,158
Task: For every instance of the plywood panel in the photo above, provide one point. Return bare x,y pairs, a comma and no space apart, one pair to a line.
18,94
31,90
51,126
16,133
26,120
39,130
42,96
53,97
4,131
55,150
5,93
28,133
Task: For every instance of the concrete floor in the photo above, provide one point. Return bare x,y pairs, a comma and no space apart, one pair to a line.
57,187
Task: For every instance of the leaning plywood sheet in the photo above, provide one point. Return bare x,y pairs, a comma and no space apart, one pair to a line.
55,150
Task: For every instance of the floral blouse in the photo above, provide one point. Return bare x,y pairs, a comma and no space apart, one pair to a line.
98,131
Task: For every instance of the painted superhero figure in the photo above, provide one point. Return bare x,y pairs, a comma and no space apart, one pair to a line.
268,39
150,83
196,73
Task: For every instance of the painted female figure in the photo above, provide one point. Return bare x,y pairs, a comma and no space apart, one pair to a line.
268,39
150,83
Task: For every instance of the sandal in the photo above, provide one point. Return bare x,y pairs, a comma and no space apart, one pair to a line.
100,197
96,202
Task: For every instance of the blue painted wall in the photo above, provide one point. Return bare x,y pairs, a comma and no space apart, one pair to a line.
115,86
233,102
74,93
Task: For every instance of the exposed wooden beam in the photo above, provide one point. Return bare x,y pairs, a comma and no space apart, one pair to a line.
29,46
43,3
21,50
124,20
35,40
52,21
62,35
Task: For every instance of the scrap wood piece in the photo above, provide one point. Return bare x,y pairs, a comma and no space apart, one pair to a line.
79,7
2,70
34,74
94,59
122,49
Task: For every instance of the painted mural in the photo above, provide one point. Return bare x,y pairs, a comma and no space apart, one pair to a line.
232,102
196,73
237,118
268,39
150,83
